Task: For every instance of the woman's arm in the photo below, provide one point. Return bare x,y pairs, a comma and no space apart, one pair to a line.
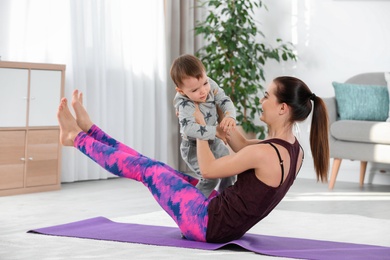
237,140
229,165
225,166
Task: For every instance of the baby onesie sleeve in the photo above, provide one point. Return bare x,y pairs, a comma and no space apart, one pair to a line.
222,100
188,126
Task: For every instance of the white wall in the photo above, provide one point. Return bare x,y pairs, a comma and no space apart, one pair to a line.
335,40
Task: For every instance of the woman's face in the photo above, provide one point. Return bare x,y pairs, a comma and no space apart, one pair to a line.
269,104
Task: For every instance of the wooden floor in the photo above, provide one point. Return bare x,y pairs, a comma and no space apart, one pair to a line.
115,198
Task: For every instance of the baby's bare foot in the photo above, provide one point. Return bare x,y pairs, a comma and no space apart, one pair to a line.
82,117
68,125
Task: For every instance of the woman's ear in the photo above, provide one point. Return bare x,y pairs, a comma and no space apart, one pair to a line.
284,108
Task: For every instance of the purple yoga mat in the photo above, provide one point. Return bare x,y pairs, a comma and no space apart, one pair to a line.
104,229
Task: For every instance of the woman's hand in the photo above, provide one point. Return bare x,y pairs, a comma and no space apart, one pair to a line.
227,124
221,134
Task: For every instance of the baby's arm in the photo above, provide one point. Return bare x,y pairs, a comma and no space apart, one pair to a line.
188,125
225,107
223,102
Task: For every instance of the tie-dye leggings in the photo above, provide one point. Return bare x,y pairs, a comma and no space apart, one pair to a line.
173,190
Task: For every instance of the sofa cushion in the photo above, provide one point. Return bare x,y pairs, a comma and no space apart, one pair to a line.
361,131
387,77
361,102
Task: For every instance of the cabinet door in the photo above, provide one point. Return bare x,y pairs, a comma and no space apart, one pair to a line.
45,94
42,157
12,144
13,97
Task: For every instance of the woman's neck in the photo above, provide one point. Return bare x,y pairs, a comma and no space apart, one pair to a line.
285,133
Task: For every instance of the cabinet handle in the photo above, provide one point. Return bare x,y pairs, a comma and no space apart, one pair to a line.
32,98
25,98
29,158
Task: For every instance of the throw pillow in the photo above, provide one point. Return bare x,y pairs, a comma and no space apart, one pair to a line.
361,102
387,77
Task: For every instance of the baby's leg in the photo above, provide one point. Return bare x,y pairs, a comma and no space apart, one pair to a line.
207,186
180,199
226,182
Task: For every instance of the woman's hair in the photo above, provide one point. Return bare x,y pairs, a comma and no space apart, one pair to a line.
186,66
297,95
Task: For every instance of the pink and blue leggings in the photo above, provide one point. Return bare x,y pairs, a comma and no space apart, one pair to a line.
173,190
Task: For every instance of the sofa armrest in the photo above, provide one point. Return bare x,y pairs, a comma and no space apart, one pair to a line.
331,106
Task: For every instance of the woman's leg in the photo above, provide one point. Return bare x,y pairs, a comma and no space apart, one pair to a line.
182,201
85,123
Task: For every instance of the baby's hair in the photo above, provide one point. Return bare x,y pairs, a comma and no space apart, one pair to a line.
186,66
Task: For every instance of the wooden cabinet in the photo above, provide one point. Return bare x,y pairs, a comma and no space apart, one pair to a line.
30,153
12,144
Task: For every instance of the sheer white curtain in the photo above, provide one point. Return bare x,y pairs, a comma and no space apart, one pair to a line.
35,31
119,63
115,53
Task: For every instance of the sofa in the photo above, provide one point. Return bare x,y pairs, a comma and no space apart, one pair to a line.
359,139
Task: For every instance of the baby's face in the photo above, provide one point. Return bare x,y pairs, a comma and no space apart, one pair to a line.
195,89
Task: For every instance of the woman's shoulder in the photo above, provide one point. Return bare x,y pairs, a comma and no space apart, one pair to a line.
281,142
293,148
257,151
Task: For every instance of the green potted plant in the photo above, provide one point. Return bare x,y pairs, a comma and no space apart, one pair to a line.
234,55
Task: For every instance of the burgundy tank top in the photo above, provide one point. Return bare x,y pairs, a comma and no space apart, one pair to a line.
240,206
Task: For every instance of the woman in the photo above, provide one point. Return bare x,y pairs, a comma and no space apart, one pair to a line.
266,169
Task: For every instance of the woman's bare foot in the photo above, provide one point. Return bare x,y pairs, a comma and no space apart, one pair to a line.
68,125
82,117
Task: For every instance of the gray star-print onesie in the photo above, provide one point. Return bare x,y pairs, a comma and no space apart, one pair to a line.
190,131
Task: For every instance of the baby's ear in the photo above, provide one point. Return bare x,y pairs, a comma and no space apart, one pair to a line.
179,90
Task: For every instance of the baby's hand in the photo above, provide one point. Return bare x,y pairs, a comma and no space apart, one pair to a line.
227,124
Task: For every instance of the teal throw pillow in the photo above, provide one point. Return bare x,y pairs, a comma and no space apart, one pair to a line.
387,77
361,102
